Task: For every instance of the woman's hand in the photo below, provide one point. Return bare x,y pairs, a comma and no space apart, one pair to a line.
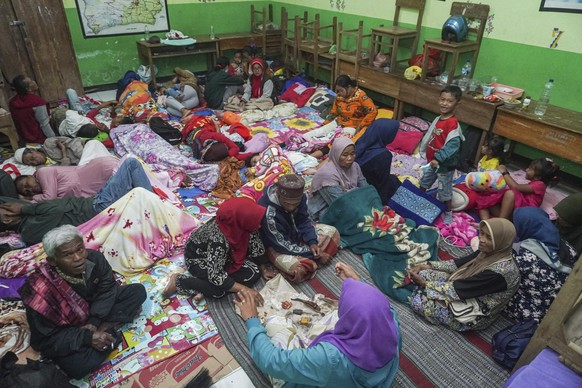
246,300
502,168
417,279
344,271
417,268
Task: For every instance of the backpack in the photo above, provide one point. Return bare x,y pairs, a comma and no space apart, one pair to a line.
509,343
126,80
165,130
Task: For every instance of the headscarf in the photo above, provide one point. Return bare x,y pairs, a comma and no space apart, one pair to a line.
502,234
570,210
331,174
374,141
237,218
47,293
256,82
366,331
186,77
529,223
18,154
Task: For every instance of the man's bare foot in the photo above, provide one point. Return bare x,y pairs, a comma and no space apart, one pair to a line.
268,271
171,286
198,297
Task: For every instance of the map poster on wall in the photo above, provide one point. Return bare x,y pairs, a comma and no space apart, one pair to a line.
101,18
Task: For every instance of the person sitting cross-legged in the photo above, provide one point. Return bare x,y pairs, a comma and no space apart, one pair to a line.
74,305
293,243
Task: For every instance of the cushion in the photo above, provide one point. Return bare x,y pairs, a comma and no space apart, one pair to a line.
463,198
414,124
410,202
322,101
490,180
405,142
298,94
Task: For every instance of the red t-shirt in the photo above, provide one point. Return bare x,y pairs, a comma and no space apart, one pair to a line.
439,135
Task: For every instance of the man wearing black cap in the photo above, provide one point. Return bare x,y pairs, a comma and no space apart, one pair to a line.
293,244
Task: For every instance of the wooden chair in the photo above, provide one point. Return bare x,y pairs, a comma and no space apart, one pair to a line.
388,39
289,40
314,45
346,40
262,24
473,13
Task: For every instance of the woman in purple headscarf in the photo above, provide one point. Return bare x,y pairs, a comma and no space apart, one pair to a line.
340,174
361,351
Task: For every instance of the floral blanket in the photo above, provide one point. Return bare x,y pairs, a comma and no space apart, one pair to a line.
389,243
279,129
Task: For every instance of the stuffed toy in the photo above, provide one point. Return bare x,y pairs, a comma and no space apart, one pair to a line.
490,180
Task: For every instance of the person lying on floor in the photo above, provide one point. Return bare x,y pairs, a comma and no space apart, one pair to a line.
67,181
340,174
32,221
481,283
62,151
293,244
361,351
222,255
74,306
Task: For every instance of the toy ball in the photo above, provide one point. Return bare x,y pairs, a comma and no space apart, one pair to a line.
491,180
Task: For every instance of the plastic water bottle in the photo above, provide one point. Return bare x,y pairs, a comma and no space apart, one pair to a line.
146,32
212,35
544,100
465,73
466,70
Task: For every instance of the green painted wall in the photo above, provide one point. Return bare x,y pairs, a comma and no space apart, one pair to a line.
105,60
527,66
515,50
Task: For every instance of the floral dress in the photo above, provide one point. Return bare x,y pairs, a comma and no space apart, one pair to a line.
432,300
539,286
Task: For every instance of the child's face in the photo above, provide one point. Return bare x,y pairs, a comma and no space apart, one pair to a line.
257,70
531,172
237,58
486,150
447,104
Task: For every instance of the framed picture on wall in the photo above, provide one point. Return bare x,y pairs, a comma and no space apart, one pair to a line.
100,18
561,6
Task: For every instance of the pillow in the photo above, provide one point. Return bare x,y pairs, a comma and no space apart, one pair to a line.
489,180
463,198
322,101
298,94
405,142
414,124
410,202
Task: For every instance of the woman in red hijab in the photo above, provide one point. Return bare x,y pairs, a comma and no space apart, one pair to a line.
259,84
221,255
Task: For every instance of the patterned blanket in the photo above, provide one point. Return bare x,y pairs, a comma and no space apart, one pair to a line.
164,328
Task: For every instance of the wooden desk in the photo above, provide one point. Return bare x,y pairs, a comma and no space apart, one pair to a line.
558,132
239,40
422,94
203,46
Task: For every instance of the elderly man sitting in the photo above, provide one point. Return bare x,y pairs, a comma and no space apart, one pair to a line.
74,306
